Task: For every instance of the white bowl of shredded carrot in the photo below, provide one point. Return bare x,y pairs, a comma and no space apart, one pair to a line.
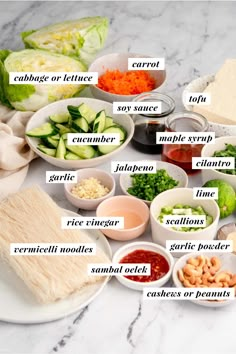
117,83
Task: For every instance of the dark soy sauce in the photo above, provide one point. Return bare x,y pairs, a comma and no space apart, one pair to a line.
144,138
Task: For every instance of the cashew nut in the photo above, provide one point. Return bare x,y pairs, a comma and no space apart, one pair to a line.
222,277
190,270
216,285
187,284
225,284
201,260
192,279
198,281
232,281
205,268
193,261
181,275
216,264
205,278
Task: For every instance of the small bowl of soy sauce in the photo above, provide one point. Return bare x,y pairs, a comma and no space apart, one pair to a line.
147,125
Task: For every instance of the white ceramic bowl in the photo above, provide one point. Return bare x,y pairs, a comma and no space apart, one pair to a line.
199,85
131,205
41,117
228,263
123,251
208,151
174,171
160,233
106,180
224,232
119,61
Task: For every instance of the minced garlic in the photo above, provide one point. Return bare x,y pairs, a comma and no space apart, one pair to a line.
89,188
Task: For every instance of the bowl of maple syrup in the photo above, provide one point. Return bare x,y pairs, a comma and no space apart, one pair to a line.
182,154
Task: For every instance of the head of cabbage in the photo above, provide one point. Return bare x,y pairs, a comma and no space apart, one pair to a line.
81,38
31,97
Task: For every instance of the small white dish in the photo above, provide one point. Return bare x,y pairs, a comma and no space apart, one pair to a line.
160,233
106,180
174,171
119,61
228,263
41,117
134,211
199,85
208,151
149,246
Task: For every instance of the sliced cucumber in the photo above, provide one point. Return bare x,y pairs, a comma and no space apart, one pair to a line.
116,129
88,113
55,137
81,125
70,120
109,122
61,149
64,136
49,142
82,111
106,149
74,112
46,150
60,118
73,130
42,131
62,129
71,156
83,151
99,123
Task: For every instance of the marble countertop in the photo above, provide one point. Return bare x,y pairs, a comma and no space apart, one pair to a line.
195,38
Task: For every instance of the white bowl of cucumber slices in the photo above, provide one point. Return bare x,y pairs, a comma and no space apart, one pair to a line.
47,132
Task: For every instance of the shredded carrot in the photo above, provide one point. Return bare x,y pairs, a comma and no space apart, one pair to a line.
126,83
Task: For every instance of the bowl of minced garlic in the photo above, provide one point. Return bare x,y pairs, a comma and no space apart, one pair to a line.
92,187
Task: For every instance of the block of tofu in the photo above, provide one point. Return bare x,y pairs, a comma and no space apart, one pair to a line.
223,96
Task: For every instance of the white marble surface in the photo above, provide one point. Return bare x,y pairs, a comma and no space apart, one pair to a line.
195,38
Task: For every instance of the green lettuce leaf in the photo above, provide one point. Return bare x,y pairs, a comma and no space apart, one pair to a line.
31,97
81,38
3,78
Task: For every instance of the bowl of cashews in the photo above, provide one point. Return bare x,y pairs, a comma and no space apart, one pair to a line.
208,270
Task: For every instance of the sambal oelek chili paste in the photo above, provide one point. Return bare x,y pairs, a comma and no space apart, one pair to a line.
159,265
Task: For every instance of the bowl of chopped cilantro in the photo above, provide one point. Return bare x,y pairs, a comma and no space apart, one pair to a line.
224,146
146,186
